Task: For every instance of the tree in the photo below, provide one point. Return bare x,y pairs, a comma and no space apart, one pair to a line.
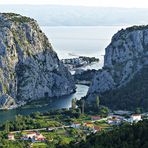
73,103
104,111
7,127
83,105
138,110
97,102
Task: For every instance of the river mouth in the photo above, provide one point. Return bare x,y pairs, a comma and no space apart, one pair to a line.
44,105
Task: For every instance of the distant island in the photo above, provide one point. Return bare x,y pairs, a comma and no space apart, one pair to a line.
79,62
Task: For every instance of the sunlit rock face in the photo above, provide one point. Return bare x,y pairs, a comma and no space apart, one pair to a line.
29,67
125,57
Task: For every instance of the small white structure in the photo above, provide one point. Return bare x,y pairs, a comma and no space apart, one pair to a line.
114,121
33,136
135,118
28,135
76,125
11,137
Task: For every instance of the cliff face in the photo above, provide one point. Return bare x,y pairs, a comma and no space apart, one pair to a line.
125,57
29,67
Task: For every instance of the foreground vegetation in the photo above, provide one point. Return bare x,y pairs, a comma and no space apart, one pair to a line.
126,136
56,127
131,96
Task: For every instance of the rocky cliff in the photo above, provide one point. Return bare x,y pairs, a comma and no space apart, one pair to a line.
29,67
123,78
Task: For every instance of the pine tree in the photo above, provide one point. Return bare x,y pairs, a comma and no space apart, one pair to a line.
97,102
7,127
83,105
74,103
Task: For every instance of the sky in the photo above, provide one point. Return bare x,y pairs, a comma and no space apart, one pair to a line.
99,3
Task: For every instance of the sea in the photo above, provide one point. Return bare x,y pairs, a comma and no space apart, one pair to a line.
74,41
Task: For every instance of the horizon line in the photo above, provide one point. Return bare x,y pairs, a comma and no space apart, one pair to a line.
46,5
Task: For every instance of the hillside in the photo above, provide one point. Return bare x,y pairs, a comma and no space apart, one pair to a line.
29,67
127,136
122,82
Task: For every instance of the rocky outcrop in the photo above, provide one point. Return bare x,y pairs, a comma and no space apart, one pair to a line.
125,57
29,67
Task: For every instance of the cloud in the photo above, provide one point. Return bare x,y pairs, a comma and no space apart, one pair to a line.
101,3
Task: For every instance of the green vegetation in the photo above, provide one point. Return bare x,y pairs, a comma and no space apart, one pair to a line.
74,103
87,75
126,136
93,108
59,134
21,19
89,59
39,145
18,18
54,125
5,143
133,95
97,103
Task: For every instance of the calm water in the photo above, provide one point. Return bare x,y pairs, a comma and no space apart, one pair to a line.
85,41
62,102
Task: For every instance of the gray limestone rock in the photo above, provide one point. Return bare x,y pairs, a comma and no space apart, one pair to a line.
29,67
126,55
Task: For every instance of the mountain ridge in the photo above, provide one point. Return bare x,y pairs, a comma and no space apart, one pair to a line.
29,67
125,57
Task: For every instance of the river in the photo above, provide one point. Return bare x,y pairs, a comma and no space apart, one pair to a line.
58,103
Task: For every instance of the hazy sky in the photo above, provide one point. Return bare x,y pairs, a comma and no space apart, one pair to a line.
104,3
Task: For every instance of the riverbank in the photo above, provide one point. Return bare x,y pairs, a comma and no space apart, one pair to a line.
57,103
61,127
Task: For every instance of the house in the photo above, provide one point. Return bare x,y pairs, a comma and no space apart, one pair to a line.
33,136
11,137
28,135
114,121
88,125
95,118
39,137
117,118
76,125
135,118
96,129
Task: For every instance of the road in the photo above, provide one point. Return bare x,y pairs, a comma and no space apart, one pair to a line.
41,129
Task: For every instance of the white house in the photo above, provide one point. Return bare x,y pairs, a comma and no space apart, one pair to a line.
114,121
76,125
11,137
135,118
33,136
28,136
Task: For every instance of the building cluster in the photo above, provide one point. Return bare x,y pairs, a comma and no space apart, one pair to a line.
118,119
29,136
90,126
74,63
110,120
